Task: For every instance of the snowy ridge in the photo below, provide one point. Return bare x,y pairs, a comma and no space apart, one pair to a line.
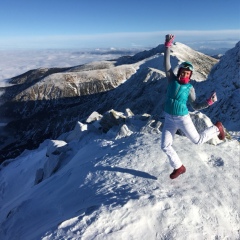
116,185
224,78
72,83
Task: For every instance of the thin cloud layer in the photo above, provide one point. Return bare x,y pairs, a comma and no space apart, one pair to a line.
13,63
117,39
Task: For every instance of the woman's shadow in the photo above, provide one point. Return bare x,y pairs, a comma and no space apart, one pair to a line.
126,170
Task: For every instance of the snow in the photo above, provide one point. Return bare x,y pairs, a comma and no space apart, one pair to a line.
227,86
117,186
88,184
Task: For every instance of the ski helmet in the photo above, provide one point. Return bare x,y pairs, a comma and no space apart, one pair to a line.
186,65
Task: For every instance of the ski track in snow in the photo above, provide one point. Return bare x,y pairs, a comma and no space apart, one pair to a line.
120,189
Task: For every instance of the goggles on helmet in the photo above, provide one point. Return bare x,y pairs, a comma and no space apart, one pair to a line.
186,65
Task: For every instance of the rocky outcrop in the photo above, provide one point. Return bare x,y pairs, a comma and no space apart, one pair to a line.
116,125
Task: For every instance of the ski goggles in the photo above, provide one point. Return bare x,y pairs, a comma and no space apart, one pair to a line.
187,66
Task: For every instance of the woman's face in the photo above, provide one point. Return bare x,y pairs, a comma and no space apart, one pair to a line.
185,73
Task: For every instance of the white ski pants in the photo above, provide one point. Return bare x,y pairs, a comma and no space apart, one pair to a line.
185,124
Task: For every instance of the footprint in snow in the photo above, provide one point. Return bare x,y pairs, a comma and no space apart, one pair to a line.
216,161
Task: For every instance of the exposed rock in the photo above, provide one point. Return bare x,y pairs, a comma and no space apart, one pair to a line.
129,113
95,116
74,84
110,119
117,126
124,132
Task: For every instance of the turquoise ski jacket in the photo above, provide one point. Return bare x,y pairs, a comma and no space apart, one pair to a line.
177,97
179,94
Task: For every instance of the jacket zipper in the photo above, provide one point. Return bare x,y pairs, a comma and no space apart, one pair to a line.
175,96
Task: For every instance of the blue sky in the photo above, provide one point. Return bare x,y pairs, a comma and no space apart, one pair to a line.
112,23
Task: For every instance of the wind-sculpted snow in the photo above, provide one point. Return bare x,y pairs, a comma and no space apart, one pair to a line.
93,185
117,124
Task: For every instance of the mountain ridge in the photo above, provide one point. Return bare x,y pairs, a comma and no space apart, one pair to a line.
133,82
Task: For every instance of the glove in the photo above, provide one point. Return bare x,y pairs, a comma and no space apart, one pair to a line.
212,99
168,40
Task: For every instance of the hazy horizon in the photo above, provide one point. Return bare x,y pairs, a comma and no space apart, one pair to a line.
18,61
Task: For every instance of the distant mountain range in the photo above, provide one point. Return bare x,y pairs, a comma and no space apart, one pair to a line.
46,102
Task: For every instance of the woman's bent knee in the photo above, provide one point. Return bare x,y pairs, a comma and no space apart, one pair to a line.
165,148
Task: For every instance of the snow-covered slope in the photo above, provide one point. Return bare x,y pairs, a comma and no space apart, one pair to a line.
224,78
117,186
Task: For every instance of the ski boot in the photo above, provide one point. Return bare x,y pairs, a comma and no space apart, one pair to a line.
221,129
177,172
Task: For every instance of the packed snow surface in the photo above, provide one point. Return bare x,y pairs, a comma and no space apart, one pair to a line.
113,186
